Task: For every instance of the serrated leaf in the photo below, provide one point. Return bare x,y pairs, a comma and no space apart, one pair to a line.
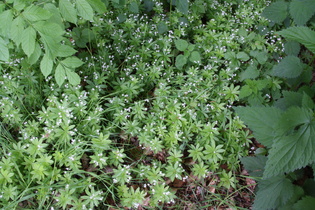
292,48
28,40
294,150
4,51
98,6
262,121
68,11
289,67
133,7
242,56
289,99
6,18
250,73
180,61
51,46
182,6
65,51
46,65
245,91
254,165
162,27
72,62
181,44
195,57
307,101
276,11
148,5
17,30
36,13
56,16
35,55
302,10
49,29
273,193
74,78
301,34
60,74
307,202
85,10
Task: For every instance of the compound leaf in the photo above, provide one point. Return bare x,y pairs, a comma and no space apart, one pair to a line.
262,121
289,67
68,11
4,51
276,12
98,6
302,10
35,55
28,40
65,51
36,13
72,62
46,65
60,74
301,34
85,10
74,78
17,30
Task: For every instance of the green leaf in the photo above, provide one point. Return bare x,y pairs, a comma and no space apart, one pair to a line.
60,74
292,48
307,101
181,60
49,29
307,202
182,6
4,51
289,67
181,44
35,55
261,56
254,165
36,13
245,91
290,98
162,27
56,16
133,7
65,51
296,149
28,40
195,57
250,73
242,56
17,30
98,6
68,11
6,18
276,12
262,121
46,65
301,34
74,78
302,10
72,62
85,10
273,193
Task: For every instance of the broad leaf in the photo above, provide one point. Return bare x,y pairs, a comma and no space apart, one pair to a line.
242,56
195,57
307,202
65,51
60,74
290,98
262,121
182,6
74,78
303,35
68,11
49,29
250,73
294,150
254,165
292,48
35,55
72,62
4,51
46,65
181,44
36,13
273,193
28,40
56,16
84,9
289,67
98,6
162,27
302,10
17,30
6,18
133,7
181,60
276,11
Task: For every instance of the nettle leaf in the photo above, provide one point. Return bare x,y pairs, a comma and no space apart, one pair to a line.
195,57
17,30
254,165
74,78
181,60
85,10
307,202
276,12
295,150
60,74
36,13
4,51
65,51
162,27
28,40
98,6
68,11
301,34
251,72
242,56
133,7
292,48
290,98
46,65
72,62
262,121
302,10
273,193
289,67
181,44
182,6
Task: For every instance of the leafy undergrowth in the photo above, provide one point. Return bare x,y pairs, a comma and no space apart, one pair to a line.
130,108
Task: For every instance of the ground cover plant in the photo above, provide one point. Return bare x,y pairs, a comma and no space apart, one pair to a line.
284,124
128,104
